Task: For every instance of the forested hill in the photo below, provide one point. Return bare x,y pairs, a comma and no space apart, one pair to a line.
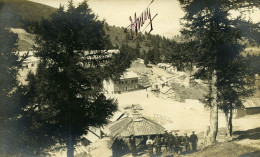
18,14
153,48
13,13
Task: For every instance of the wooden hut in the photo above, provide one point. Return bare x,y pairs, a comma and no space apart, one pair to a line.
138,126
250,106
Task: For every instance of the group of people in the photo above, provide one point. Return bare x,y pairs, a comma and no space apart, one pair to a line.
172,143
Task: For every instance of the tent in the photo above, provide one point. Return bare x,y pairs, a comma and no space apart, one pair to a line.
137,126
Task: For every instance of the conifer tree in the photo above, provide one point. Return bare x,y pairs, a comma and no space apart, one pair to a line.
66,94
10,109
218,38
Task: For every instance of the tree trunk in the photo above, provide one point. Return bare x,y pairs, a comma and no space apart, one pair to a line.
70,149
227,124
230,121
70,146
213,125
212,135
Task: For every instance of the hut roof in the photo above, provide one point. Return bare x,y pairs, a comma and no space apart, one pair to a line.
128,75
135,126
117,115
251,103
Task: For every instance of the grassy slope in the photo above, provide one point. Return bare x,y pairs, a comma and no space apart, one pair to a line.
228,149
244,144
14,13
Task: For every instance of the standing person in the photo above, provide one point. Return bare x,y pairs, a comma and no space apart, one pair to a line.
171,141
149,143
157,144
177,144
165,139
115,148
194,141
186,141
132,145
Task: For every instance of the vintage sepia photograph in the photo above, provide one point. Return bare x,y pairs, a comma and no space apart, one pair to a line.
129,78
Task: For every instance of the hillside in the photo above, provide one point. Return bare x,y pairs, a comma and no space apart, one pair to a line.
154,48
25,39
19,14
14,13
245,144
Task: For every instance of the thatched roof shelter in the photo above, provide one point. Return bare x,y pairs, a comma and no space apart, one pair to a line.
135,126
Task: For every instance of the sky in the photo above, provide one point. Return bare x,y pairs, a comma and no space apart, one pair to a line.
117,12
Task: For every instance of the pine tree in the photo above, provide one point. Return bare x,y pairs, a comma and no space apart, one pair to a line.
10,109
66,94
218,39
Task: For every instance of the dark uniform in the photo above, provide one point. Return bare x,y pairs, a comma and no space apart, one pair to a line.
186,141
171,142
166,140
194,140
116,148
133,146
158,144
178,141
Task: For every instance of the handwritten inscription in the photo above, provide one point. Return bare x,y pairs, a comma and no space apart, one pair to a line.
138,22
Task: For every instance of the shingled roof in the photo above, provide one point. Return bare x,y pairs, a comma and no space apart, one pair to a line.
252,103
135,126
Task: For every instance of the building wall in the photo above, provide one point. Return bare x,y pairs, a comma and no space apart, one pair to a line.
253,110
240,112
124,85
247,111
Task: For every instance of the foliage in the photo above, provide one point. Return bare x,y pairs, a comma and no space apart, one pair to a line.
218,52
254,62
10,109
66,96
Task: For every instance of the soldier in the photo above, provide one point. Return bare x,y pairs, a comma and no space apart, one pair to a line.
158,144
171,141
165,139
177,144
186,141
132,145
194,141
149,143
116,148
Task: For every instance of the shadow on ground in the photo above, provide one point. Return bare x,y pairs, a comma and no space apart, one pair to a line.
252,134
252,154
